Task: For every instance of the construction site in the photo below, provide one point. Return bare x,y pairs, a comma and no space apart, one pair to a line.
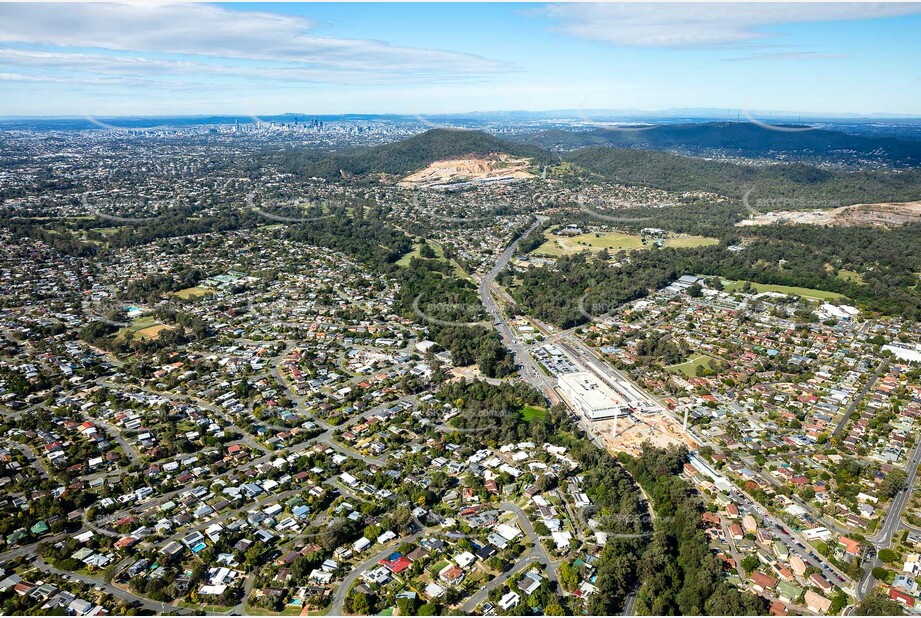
619,412
626,434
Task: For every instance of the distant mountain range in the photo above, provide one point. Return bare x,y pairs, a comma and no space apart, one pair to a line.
742,139
699,113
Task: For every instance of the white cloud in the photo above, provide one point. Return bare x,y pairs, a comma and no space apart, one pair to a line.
704,24
227,40
122,64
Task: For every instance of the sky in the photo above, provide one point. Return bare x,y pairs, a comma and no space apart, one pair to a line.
79,59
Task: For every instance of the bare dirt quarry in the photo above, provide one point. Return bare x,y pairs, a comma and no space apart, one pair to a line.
882,215
451,171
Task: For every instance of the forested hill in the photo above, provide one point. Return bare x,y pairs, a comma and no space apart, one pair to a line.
410,154
632,166
789,180
742,139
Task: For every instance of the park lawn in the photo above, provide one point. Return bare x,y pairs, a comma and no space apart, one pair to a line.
460,272
142,322
417,247
565,245
529,413
144,327
151,332
689,367
194,292
733,286
612,241
105,231
406,258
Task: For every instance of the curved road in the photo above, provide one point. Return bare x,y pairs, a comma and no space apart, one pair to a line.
124,595
536,554
337,606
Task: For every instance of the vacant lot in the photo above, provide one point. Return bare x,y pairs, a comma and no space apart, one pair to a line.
689,367
529,413
689,242
195,292
850,275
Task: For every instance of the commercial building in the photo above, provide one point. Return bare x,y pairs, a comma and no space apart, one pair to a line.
592,398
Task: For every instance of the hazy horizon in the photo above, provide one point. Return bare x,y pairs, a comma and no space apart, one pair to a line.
615,115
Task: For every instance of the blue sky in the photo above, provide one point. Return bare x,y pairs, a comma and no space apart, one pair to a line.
419,58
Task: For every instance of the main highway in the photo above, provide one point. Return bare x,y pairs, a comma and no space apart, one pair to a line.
529,369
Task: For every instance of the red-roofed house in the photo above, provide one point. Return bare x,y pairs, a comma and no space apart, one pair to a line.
821,582
850,546
397,565
897,595
762,582
778,609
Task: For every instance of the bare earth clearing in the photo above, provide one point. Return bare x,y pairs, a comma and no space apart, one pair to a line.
491,168
634,430
884,214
